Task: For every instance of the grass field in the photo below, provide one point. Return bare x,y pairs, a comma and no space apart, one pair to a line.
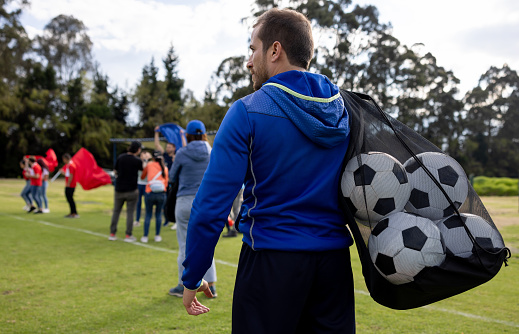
62,275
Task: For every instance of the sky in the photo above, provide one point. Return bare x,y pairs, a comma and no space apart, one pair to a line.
465,36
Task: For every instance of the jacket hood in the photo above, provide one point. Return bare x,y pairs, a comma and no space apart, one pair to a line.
197,150
312,103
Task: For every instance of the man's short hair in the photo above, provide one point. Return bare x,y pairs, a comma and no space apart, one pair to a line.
135,146
290,28
66,156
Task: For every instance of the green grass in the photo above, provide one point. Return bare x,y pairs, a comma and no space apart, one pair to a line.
63,276
495,186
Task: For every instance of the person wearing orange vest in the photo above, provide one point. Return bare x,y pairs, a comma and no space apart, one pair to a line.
36,183
157,174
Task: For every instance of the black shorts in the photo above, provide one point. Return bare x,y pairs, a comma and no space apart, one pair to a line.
293,292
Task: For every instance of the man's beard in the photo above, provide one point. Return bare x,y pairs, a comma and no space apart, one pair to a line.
261,75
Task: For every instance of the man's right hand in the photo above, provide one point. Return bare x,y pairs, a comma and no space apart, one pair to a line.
192,305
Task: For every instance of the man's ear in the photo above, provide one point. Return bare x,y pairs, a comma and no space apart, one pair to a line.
275,51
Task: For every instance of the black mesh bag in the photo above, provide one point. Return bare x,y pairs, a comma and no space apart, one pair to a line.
373,130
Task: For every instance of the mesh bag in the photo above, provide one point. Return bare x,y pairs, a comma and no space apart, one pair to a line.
374,131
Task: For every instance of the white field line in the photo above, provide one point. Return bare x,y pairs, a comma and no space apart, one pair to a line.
463,314
105,236
360,292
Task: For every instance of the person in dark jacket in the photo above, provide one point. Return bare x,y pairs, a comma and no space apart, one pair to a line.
126,167
286,143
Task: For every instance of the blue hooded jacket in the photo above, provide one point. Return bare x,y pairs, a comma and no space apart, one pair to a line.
189,167
286,143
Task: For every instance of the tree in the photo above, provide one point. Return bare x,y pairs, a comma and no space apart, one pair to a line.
32,122
209,112
14,44
230,82
20,104
159,101
147,96
490,121
174,84
66,45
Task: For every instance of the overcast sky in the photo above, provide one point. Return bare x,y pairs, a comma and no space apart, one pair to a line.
465,36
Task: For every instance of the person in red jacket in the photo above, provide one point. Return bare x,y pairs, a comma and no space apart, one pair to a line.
36,183
70,184
26,192
44,185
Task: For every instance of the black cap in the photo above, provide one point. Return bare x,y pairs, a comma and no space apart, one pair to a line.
157,154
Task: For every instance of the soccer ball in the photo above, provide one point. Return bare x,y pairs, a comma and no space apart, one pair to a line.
402,244
426,198
458,242
375,187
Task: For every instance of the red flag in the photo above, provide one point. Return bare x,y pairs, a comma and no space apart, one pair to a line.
51,159
35,156
88,173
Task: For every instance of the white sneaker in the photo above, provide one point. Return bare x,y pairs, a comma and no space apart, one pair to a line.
144,240
174,226
26,208
130,238
112,237
158,238
46,211
136,223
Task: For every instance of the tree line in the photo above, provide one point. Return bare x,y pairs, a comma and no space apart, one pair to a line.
54,94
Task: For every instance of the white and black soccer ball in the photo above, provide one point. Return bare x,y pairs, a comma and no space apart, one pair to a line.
402,244
457,240
426,197
375,186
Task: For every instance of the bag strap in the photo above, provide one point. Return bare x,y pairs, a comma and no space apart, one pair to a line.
155,177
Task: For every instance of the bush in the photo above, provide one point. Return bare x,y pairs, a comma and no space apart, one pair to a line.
495,186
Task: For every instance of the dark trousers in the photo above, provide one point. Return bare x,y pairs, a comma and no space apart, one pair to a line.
69,194
130,197
293,292
142,194
154,199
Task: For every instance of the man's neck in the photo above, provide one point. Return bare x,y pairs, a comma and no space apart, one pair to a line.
281,68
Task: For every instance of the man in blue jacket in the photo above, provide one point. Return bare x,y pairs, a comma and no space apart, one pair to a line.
286,143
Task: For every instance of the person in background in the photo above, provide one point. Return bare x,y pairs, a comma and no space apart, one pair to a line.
286,142
44,185
234,215
36,184
126,168
169,157
188,170
26,191
69,170
157,175
141,186
168,153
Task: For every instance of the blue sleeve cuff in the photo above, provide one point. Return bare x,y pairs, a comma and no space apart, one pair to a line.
194,287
